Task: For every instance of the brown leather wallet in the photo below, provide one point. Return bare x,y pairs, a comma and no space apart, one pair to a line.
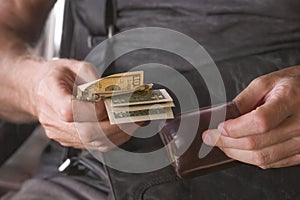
183,138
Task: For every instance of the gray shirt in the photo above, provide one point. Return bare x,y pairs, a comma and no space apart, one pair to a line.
227,29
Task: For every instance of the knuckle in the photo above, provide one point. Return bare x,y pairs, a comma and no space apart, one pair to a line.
104,149
227,153
97,143
110,129
283,106
50,134
264,167
87,137
260,82
65,144
221,142
260,121
43,120
66,114
228,128
261,158
253,143
291,91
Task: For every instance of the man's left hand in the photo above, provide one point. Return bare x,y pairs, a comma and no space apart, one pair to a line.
268,132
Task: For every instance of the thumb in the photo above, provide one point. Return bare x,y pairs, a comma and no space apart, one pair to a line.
86,73
253,96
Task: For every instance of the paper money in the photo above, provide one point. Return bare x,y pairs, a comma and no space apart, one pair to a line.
110,94
122,82
127,99
139,106
120,117
142,97
108,104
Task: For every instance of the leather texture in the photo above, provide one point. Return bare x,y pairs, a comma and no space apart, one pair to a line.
190,164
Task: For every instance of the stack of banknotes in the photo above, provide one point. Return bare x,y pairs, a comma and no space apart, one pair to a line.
127,98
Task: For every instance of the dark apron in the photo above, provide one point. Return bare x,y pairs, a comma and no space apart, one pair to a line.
245,38
12,137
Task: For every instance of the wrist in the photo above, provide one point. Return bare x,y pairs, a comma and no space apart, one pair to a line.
32,71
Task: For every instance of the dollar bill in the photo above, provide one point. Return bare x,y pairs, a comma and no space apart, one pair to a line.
140,88
122,82
143,108
141,97
108,104
120,117
127,99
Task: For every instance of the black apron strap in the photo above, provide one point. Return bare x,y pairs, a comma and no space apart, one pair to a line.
84,21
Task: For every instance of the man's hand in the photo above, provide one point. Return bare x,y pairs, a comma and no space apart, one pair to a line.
32,89
69,121
268,132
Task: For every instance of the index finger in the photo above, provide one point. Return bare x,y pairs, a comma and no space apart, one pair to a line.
262,119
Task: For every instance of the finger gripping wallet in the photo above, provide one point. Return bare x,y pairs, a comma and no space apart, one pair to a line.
182,137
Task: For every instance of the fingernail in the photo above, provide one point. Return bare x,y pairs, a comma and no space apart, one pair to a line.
209,137
222,130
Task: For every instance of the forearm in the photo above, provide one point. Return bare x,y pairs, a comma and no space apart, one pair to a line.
19,29
17,85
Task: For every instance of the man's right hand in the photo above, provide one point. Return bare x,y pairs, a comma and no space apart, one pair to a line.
32,89
69,121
